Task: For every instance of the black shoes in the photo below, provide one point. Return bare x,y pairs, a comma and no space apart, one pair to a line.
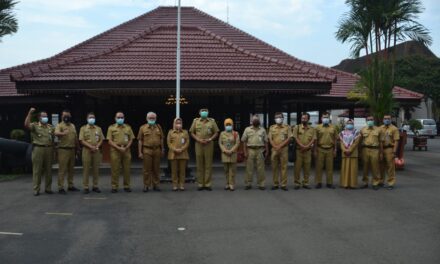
200,188
330,186
248,187
284,188
73,189
262,188
86,191
127,190
114,190
306,187
48,192
296,187
375,187
274,188
226,188
146,189
318,186
36,193
390,187
96,190
62,191
365,186
156,189
208,188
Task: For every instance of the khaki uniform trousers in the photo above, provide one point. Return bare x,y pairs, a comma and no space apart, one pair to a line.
303,162
279,161
120,162
204,154
66,163
255,159
42,166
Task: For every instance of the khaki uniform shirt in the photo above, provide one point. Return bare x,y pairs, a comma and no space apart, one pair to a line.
254,137
204,128
304,135
279,133
178,139
390,135
42,134
371,136
91,134
151,135
120,135
228,141
326,136
69,140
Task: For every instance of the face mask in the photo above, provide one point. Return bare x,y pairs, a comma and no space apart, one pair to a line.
278,120
44,120
204,114
370,123
326,121
120,121
66,119
304,122
151,122
178,126
91,121
350,126
386,122
228,128
255,123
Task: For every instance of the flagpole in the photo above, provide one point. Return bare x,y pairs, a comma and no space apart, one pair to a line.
178,62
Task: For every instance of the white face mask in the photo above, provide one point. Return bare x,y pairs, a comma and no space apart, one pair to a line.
278,120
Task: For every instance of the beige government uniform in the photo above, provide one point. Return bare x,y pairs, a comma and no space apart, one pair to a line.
91,134
204,129
66,153
42,154
121,136
255,140
305,135
277,135
325,139
390,137
371,140
229,141
178,139
152,142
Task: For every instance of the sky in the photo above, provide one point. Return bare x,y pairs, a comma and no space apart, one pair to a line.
302,28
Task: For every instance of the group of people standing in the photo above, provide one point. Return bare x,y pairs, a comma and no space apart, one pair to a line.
376,145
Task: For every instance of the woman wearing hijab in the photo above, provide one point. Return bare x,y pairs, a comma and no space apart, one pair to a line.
350,139
178,143
229,142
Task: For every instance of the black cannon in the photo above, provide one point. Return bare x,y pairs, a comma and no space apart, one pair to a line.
15,154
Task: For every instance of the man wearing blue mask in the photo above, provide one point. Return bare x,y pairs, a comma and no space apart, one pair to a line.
42,135
150,149
91,138
204,130
325,150
120,137
371,152
390,141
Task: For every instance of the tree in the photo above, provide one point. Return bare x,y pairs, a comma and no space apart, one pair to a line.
8,22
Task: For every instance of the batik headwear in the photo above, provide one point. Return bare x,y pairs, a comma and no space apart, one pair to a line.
348,136
175,120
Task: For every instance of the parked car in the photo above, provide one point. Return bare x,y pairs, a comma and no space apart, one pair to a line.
429,128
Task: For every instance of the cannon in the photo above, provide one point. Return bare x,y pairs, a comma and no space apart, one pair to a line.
15,154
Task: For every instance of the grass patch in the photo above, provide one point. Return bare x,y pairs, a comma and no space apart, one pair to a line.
8,177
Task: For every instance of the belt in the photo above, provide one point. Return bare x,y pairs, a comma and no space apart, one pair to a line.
371,147
389,147
255,147
66,148
42,146
325,147
152,147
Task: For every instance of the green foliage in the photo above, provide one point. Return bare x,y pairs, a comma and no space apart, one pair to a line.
8,21
415,125
18,134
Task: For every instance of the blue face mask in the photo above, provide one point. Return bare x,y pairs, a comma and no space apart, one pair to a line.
91,121
44,120
120,121
386,122
370,123
228,128
350,126
204,114
151,122
326,121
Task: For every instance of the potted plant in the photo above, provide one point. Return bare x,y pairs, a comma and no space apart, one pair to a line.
418,141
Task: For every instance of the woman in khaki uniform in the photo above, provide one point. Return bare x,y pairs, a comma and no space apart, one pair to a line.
229,142
350,139
178,143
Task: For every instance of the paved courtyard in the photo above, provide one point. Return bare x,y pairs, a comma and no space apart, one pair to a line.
304,226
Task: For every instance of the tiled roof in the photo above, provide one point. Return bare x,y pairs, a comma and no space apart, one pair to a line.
111,49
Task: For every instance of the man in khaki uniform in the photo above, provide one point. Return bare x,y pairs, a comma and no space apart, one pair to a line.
255,150
371,152
150,148
325,151
229,141
390,142
66,133
120,137
91,138
305,138
42,135
279,137
204,130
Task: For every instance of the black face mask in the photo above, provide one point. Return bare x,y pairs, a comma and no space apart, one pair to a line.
304,122
66,119
255,123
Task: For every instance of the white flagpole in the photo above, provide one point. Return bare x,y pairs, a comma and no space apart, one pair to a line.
178,63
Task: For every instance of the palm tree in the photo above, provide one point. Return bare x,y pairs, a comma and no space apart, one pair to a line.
8,22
